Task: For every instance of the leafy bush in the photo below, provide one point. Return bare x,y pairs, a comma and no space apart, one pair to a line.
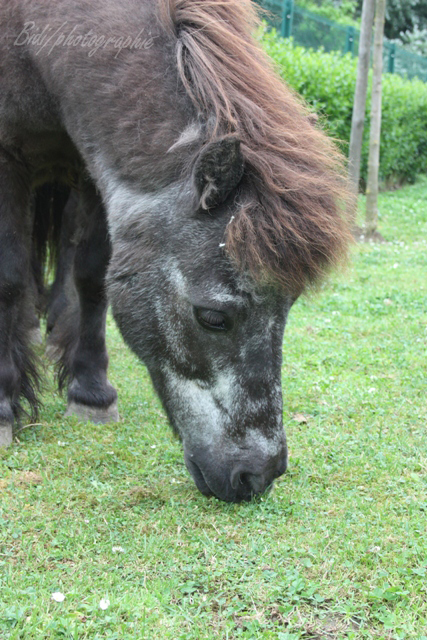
327,82
343,14
414,41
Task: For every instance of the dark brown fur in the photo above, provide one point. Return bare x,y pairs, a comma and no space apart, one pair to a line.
296,224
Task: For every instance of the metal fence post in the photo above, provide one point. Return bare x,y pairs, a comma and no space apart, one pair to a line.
391,57
288,13
349,40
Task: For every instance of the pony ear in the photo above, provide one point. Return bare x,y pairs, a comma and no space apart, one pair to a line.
218,170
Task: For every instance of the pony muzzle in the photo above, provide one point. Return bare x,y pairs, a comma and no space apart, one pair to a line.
236,479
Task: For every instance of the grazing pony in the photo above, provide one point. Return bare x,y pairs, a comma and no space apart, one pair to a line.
207,202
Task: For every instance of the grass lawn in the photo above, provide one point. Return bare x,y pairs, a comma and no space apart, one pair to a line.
337,550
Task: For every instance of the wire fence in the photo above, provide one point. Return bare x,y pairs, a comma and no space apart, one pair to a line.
314,32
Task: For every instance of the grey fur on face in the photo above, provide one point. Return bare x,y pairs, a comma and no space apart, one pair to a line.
222,391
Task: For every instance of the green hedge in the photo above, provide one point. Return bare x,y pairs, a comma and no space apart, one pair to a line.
327,82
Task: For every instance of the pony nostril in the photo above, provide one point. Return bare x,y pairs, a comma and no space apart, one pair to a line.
245,479
236,478
257,484
246,483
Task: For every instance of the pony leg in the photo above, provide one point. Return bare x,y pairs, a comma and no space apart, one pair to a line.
18,377
49,205
84,359
57,299
37,295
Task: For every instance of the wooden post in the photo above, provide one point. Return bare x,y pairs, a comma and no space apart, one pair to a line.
359,105
375,132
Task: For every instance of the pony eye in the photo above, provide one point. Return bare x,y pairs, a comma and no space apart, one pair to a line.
212,320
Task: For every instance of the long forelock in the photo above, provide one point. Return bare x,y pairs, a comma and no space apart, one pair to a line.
293,222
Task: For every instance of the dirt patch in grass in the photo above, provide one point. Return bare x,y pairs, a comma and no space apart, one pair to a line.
28,478
361,235
23,479
332,627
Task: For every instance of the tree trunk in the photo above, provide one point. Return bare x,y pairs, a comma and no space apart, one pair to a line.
359,106
375,132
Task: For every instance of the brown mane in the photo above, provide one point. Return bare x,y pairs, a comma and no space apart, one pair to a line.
295,224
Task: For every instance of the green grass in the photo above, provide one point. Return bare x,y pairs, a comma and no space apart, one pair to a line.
337,550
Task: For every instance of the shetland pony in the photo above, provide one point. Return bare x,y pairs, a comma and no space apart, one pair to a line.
208,202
